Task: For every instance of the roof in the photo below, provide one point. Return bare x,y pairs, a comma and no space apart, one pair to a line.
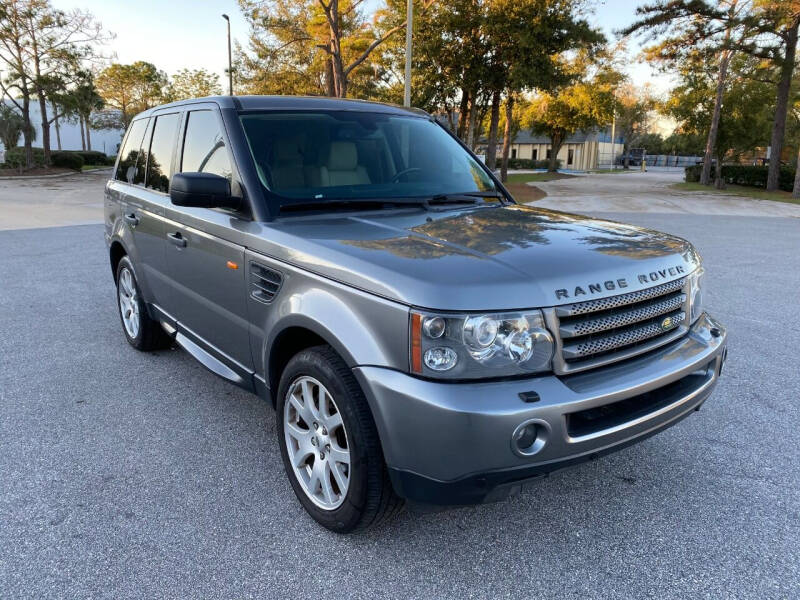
526,137
599,135
294,103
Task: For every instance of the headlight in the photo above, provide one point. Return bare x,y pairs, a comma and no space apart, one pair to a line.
696,293
471,346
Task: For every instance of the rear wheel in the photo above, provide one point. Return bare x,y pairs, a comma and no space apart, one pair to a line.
142,332
329,444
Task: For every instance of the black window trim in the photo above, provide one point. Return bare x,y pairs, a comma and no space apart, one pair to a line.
177,110
122,147
246,209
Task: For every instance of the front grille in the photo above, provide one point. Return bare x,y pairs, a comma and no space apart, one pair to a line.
605,330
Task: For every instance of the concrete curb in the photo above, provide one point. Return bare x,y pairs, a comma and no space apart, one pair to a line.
55,176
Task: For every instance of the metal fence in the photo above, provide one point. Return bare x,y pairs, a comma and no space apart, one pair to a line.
604,160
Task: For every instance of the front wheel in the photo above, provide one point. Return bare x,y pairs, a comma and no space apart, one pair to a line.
142,332
329,444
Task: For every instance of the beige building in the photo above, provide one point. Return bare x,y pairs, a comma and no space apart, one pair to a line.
581,152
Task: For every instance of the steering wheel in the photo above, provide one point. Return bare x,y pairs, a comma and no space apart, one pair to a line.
399,174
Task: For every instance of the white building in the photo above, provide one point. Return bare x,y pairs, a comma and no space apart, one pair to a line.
104,140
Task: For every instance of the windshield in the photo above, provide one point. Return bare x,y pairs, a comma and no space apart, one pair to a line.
348,155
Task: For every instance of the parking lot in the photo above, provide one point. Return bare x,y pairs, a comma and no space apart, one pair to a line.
130,475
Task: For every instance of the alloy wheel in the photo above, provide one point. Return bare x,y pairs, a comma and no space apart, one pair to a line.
128,303
316,442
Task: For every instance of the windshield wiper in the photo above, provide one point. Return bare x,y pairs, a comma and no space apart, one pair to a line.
429,202
350,203
464,197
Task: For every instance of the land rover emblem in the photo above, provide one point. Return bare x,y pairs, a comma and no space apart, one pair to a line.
666,323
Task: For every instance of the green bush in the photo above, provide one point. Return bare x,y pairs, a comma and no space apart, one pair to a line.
92,157
15,158
692,174
750,175
529,163
67,160
111,160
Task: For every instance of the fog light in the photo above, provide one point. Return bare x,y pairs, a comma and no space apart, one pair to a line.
530,437
440,359
526,436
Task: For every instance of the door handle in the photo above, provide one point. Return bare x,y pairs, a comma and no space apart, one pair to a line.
131,218
177,239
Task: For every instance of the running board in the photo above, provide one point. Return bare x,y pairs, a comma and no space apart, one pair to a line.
209,362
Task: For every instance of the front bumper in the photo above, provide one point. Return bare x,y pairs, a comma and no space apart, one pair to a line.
451,443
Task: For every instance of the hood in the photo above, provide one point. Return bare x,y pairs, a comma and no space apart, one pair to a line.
484,257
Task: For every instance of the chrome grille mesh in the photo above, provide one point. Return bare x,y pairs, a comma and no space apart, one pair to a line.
623,317
607,329
590,306
621,338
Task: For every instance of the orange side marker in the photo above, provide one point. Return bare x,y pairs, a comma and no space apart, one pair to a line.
232,265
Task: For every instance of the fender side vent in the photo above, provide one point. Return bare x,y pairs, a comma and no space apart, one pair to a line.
264,283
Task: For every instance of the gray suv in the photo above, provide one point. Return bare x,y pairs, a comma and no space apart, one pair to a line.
422,337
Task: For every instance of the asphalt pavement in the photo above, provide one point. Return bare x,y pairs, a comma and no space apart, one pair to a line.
130,475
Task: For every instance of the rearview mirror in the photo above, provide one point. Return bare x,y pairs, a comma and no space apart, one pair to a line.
205,190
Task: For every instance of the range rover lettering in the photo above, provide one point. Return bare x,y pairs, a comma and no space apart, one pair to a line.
422,337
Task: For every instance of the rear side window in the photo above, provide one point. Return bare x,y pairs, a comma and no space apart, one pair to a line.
129,154
203,147
159,163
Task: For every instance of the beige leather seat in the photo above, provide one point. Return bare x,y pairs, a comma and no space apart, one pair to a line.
286,169
342,167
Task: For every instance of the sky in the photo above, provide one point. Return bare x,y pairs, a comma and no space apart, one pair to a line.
175,34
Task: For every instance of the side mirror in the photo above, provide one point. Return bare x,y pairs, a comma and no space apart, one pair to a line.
205,190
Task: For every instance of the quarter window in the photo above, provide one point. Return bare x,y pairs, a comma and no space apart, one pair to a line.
204,147
159,163
129,154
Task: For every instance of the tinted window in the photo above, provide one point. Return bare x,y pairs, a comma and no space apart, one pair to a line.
141,160
348,154
129,155
203,147
159,161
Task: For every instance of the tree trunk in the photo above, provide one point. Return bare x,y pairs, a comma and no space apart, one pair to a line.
719,182
494,120
711,141
334,28
330,85
626,158
27,134
462,114
556,141
45,128
80,126
781,107
473,117
796,188
88,133
507,137
58,133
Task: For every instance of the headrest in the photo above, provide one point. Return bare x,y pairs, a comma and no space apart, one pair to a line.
287,151
343,156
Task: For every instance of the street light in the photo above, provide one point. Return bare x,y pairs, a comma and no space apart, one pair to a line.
230,66
409,30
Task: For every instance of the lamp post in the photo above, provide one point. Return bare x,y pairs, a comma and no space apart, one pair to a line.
409,31
230,66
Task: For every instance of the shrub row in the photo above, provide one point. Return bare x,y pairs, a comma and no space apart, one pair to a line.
752,175
15,158
529,163
69,159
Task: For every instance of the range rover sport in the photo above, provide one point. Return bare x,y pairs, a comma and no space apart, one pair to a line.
422,336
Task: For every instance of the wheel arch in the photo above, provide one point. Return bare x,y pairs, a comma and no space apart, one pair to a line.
115,253
297,333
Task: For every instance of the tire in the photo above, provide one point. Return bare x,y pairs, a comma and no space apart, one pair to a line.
145,334
368,498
